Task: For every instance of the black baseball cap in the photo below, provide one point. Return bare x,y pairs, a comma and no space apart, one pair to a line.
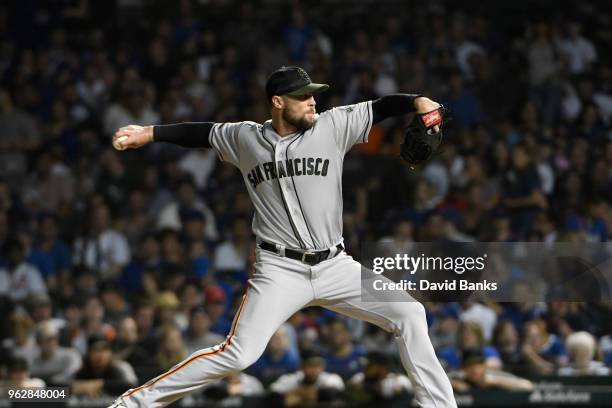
292,81
309,357
472,356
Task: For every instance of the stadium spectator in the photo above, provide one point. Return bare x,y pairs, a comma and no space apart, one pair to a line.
198,335
444,326
171,349
475,375
166,307
18,376
134,106
50,186
215,304
543,352
483,314
93,324
56,365
377,380
342,355
232,254
522,190
101,374
303,332
507,342
464,105
50,254
146,259
233,387
19,136
114,302
579,51
581,348
128,348
470,337
544,59
19,279
126,340
186,201
144,315
21,341
40,309
112,183
102,248
402,239
190,296
310,385
70,332
278,358
199,164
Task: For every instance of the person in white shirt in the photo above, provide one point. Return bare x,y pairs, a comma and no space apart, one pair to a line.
309,385
579,50
134,107
19,279
54,364
104,249
198,334
581,348
233,253
199,164
481,314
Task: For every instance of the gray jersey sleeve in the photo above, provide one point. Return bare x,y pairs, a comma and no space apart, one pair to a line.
225,138
352,124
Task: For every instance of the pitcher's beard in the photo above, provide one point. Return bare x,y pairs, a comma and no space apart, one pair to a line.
301,124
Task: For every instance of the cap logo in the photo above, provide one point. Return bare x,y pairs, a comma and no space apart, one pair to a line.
304,75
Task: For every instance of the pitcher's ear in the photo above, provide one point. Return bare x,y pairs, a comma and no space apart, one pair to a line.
277,102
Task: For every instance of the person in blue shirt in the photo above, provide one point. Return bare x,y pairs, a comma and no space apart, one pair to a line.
522,191
543,352
278,359
465,106
147,259
49,254
470,337
215,304
342,356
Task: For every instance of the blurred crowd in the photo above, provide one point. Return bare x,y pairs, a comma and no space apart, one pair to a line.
117,265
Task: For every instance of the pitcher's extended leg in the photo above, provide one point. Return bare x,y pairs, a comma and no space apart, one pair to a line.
339,289
273,295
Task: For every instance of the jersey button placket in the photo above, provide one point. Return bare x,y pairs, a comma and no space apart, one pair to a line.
288,191
285,186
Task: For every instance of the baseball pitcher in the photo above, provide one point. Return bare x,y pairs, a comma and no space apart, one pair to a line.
292,169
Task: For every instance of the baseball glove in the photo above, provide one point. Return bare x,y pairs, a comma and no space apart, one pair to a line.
421,140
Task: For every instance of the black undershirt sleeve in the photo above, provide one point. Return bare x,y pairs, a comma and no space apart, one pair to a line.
392,105
188,134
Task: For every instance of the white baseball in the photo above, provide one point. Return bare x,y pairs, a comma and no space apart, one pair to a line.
118,143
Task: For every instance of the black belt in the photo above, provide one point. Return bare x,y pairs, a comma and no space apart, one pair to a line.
308,257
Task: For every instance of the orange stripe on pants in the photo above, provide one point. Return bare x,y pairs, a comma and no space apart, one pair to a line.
192,359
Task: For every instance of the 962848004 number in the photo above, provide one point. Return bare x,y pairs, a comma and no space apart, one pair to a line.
38,394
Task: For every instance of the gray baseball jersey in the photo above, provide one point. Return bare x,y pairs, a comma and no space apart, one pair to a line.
295,182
